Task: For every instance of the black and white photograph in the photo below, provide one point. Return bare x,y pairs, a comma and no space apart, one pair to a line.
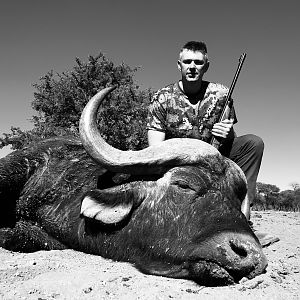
149,150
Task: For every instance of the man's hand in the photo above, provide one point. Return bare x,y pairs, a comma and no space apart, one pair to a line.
223,129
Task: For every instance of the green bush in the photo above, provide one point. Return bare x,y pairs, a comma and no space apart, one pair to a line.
60,98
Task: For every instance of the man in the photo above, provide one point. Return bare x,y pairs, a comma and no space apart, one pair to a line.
191,108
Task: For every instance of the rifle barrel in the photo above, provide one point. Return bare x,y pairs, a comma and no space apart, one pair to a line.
237,73
228,102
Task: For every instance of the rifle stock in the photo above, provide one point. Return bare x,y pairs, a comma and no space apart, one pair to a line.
229,102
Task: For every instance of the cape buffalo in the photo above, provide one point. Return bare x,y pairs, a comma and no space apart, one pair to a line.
172,209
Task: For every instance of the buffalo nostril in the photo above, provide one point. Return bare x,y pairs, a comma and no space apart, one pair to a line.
238,248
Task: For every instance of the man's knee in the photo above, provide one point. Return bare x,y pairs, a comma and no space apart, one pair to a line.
256,143
248,145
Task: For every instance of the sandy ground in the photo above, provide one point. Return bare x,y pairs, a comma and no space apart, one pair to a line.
69,274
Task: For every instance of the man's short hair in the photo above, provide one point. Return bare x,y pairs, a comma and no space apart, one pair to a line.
195,46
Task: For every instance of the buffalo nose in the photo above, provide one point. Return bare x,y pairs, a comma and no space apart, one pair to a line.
238,248
244,257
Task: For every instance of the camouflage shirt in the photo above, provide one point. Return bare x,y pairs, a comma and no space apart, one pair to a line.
170,111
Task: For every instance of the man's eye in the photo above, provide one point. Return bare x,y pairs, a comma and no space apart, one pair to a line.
196,62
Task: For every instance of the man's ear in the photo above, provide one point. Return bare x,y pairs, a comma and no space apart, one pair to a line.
179,65
206,66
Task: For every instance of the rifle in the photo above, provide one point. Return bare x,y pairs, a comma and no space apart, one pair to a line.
229,102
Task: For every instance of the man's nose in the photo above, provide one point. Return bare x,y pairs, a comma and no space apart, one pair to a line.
192,64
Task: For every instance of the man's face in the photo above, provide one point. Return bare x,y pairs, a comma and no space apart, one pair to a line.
192,65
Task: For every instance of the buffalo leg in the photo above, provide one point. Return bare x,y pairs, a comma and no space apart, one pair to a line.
26,237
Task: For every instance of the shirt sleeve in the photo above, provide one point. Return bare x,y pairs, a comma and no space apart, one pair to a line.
157,113
221,94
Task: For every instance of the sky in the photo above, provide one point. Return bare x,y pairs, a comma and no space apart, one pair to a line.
38,36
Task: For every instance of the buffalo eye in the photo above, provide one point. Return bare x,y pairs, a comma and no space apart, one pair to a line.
184,185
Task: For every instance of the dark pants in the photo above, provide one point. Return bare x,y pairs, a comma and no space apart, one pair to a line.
246,151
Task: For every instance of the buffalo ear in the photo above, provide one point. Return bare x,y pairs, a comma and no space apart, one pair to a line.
95,205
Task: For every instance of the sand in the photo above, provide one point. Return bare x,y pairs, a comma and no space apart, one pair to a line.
67,274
